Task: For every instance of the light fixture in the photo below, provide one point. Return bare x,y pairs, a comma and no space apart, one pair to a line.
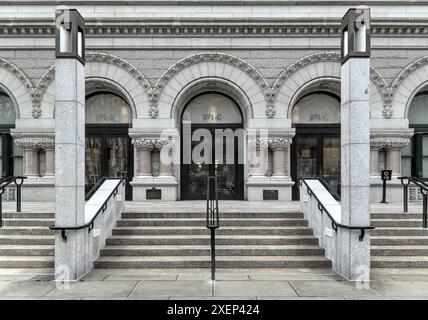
70,34
355,40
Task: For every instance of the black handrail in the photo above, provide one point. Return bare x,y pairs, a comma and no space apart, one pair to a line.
4,182
90,224
334,223
91,192
423,187
213,218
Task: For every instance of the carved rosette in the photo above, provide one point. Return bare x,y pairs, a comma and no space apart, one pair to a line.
279,143
34,143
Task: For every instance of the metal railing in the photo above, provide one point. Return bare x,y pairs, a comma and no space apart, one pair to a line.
213,217
323,209
90,224
423,187
94,188
6,181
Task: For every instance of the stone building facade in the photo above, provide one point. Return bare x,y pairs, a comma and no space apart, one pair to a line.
277,63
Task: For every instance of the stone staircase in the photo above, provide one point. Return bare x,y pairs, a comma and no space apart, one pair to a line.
26,241
399,241
181,240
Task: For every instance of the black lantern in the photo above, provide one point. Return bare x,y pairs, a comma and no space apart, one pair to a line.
356,34
70,34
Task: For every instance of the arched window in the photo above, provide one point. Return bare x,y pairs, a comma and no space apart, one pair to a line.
414,157
10,155
212,108
316,108
107,108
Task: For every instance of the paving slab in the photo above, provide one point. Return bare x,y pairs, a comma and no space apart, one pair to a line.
95,289
401,288
253,288
286,277
212,298
172,288
25,288
141,277
16,277
94,277
298,298
219,277
317,288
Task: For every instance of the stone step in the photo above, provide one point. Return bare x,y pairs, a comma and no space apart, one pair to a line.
397,222
221,262
28,215
202,215
400,215
205,231
202,222
399,262
399,240
26,231
26,262
26,250
205,240
204,250
26,240
28,222
402,250
399,231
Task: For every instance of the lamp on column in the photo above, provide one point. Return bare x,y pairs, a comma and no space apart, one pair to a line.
70,35
356,34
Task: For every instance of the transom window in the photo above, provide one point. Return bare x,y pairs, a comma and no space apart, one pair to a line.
316,108
107,108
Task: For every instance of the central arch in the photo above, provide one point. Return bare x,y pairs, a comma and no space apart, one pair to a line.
212,143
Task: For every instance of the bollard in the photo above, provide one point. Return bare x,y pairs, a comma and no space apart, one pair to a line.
385,176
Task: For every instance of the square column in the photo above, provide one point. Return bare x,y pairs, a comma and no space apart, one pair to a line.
72,257
353,259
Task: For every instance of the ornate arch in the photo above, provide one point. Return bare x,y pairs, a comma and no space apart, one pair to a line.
18,85
405,86
208,65
318,66
116,70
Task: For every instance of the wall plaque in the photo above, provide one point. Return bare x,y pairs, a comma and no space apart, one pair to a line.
153,194
270,194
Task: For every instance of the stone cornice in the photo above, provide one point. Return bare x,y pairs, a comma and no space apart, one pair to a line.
390,140
34,141
216,27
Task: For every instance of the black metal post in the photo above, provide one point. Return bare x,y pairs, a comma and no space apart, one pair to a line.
213,254
405,198
424,209
18,198
1,208
384,192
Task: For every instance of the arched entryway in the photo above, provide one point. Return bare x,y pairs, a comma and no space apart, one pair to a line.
315,149
11,155
108,145
205,122
414,161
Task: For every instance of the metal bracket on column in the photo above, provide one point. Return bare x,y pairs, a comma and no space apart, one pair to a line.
63,236
361,237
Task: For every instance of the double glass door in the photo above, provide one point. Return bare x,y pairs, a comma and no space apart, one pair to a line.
108,155
316,155
226,167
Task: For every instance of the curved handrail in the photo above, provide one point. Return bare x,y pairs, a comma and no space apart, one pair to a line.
423,186
96,186
4,182
90,224
334,223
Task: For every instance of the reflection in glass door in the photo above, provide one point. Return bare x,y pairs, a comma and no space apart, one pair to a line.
316,154
107,156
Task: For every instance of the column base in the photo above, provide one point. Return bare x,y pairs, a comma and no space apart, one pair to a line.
147,188
278,184
394,190
38,189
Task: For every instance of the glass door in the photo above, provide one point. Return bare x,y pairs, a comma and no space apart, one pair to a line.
315,152
110,156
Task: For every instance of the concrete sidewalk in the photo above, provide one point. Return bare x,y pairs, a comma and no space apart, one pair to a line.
294,284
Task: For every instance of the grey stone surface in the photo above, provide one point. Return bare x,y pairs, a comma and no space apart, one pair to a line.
253,288
25,288
172,288
330,289
105,289
401,288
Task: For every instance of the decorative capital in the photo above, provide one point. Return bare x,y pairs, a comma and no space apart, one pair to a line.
146,144
35,143
280,143
258,142
389,143
163,142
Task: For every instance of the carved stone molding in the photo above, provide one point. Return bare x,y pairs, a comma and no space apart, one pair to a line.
280,143
258,142
390,140
34,143
49,76
144,143
199,58
401,77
